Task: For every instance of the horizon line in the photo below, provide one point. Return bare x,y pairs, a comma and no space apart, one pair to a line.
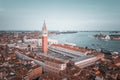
67,30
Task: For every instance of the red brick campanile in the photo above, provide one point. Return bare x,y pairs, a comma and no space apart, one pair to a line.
44,39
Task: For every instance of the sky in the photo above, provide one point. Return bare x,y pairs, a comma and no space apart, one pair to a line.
60,15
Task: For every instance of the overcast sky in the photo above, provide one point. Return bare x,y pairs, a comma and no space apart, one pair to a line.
60,14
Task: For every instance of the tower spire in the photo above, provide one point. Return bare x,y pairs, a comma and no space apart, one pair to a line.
44,25
44,29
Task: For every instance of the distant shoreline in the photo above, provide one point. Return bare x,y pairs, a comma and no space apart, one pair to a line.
69,31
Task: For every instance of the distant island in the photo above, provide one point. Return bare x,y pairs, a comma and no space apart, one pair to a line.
112,36
68,32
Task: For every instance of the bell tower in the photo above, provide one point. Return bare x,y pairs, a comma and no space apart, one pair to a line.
44,39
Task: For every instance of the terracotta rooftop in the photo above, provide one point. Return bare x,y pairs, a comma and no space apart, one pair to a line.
52,60
75,48
41,57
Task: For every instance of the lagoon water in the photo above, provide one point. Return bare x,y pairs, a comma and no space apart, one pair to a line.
84,39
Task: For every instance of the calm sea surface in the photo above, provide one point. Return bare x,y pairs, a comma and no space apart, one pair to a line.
84,39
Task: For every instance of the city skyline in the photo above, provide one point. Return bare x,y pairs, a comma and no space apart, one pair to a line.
60,14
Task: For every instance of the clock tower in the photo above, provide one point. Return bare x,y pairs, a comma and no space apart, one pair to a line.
44,39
